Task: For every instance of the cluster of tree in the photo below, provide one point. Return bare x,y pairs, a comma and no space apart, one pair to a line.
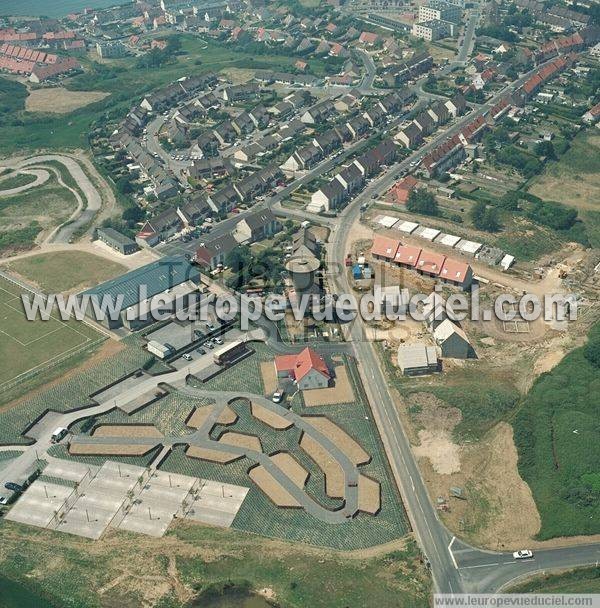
551,214
246,266
485,217
545,148
523,162
156,57
423,202
500,32
591,350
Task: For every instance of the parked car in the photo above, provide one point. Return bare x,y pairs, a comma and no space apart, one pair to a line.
523,554
277,397
13,487
201,351
209,344
218,340
187,357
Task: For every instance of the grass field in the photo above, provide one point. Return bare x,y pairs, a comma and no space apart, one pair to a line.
30,345
129,570
66,270
558,440
584,580
16,180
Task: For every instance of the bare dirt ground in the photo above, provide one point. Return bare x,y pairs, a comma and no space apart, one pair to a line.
127,430
77,449
272,488
227,416
334,475
199,415
59,100
442,452
269,376
275,421
342,440
240,440
341,392
211,455
239,75
291,467
494,493
369,495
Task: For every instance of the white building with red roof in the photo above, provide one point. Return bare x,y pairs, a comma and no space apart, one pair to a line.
308,369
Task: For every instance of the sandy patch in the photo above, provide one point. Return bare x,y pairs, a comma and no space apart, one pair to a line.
272,488
227,416
269,376
127,430
340,393
80,449
441,451
499,512
548,361
275,421
340,438
334,475
291,467
211,455
59,100
199,416
369,495
249,442
239,75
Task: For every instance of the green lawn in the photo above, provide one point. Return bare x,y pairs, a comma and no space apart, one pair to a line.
66,270
30,345
584,580
557,435
16,180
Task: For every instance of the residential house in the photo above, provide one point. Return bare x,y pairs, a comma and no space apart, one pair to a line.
452,340
351,178
257,226
304,158
307,369
400,191
411,136
214,252
327,197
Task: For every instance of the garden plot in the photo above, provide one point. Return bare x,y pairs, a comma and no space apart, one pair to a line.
241,440
340,438
369,495
272,419
194,451
332,470
127,430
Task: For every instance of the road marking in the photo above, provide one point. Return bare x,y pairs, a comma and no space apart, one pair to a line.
452,554
483,565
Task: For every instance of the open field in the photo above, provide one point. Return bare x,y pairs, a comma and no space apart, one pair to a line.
574,180
38,210
59,100
127,430
27,346
65,271
107,449
124,569
15,180
584,580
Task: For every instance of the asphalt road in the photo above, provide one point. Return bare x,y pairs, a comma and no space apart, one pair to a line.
456,567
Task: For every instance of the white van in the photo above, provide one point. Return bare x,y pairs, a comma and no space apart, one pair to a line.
58,434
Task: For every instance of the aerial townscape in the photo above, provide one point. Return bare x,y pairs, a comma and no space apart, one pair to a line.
299,303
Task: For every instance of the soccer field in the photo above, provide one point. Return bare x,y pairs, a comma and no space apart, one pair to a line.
30,346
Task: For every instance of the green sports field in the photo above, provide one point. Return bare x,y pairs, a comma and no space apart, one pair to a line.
29,346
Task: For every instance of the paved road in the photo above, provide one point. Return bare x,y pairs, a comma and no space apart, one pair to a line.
468,40
469,569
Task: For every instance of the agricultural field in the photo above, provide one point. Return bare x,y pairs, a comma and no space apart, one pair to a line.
28,346
65,271
196,562
558,439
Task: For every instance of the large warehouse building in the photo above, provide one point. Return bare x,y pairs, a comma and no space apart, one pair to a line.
134,295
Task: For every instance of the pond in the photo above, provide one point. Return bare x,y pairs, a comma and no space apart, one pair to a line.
16,595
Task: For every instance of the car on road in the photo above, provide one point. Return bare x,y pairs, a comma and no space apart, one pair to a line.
13,487
523,554
277,397
201,351
209,344
218,340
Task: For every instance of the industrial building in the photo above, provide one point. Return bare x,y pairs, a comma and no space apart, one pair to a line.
417,359
132,298
117,241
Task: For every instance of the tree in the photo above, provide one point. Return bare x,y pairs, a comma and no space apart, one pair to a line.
124,185
545,148
484,217
132,215
592,349
423,202
510,200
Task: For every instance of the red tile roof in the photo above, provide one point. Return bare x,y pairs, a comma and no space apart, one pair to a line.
401,190
430,262
301,364
453,270
408,255
385,247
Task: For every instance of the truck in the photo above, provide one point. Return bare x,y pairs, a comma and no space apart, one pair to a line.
162,351
58,434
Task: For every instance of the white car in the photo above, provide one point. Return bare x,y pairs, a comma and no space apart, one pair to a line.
218,340
187,357
277,397
523,554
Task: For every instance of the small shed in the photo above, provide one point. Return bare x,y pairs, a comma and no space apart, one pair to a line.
417,359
